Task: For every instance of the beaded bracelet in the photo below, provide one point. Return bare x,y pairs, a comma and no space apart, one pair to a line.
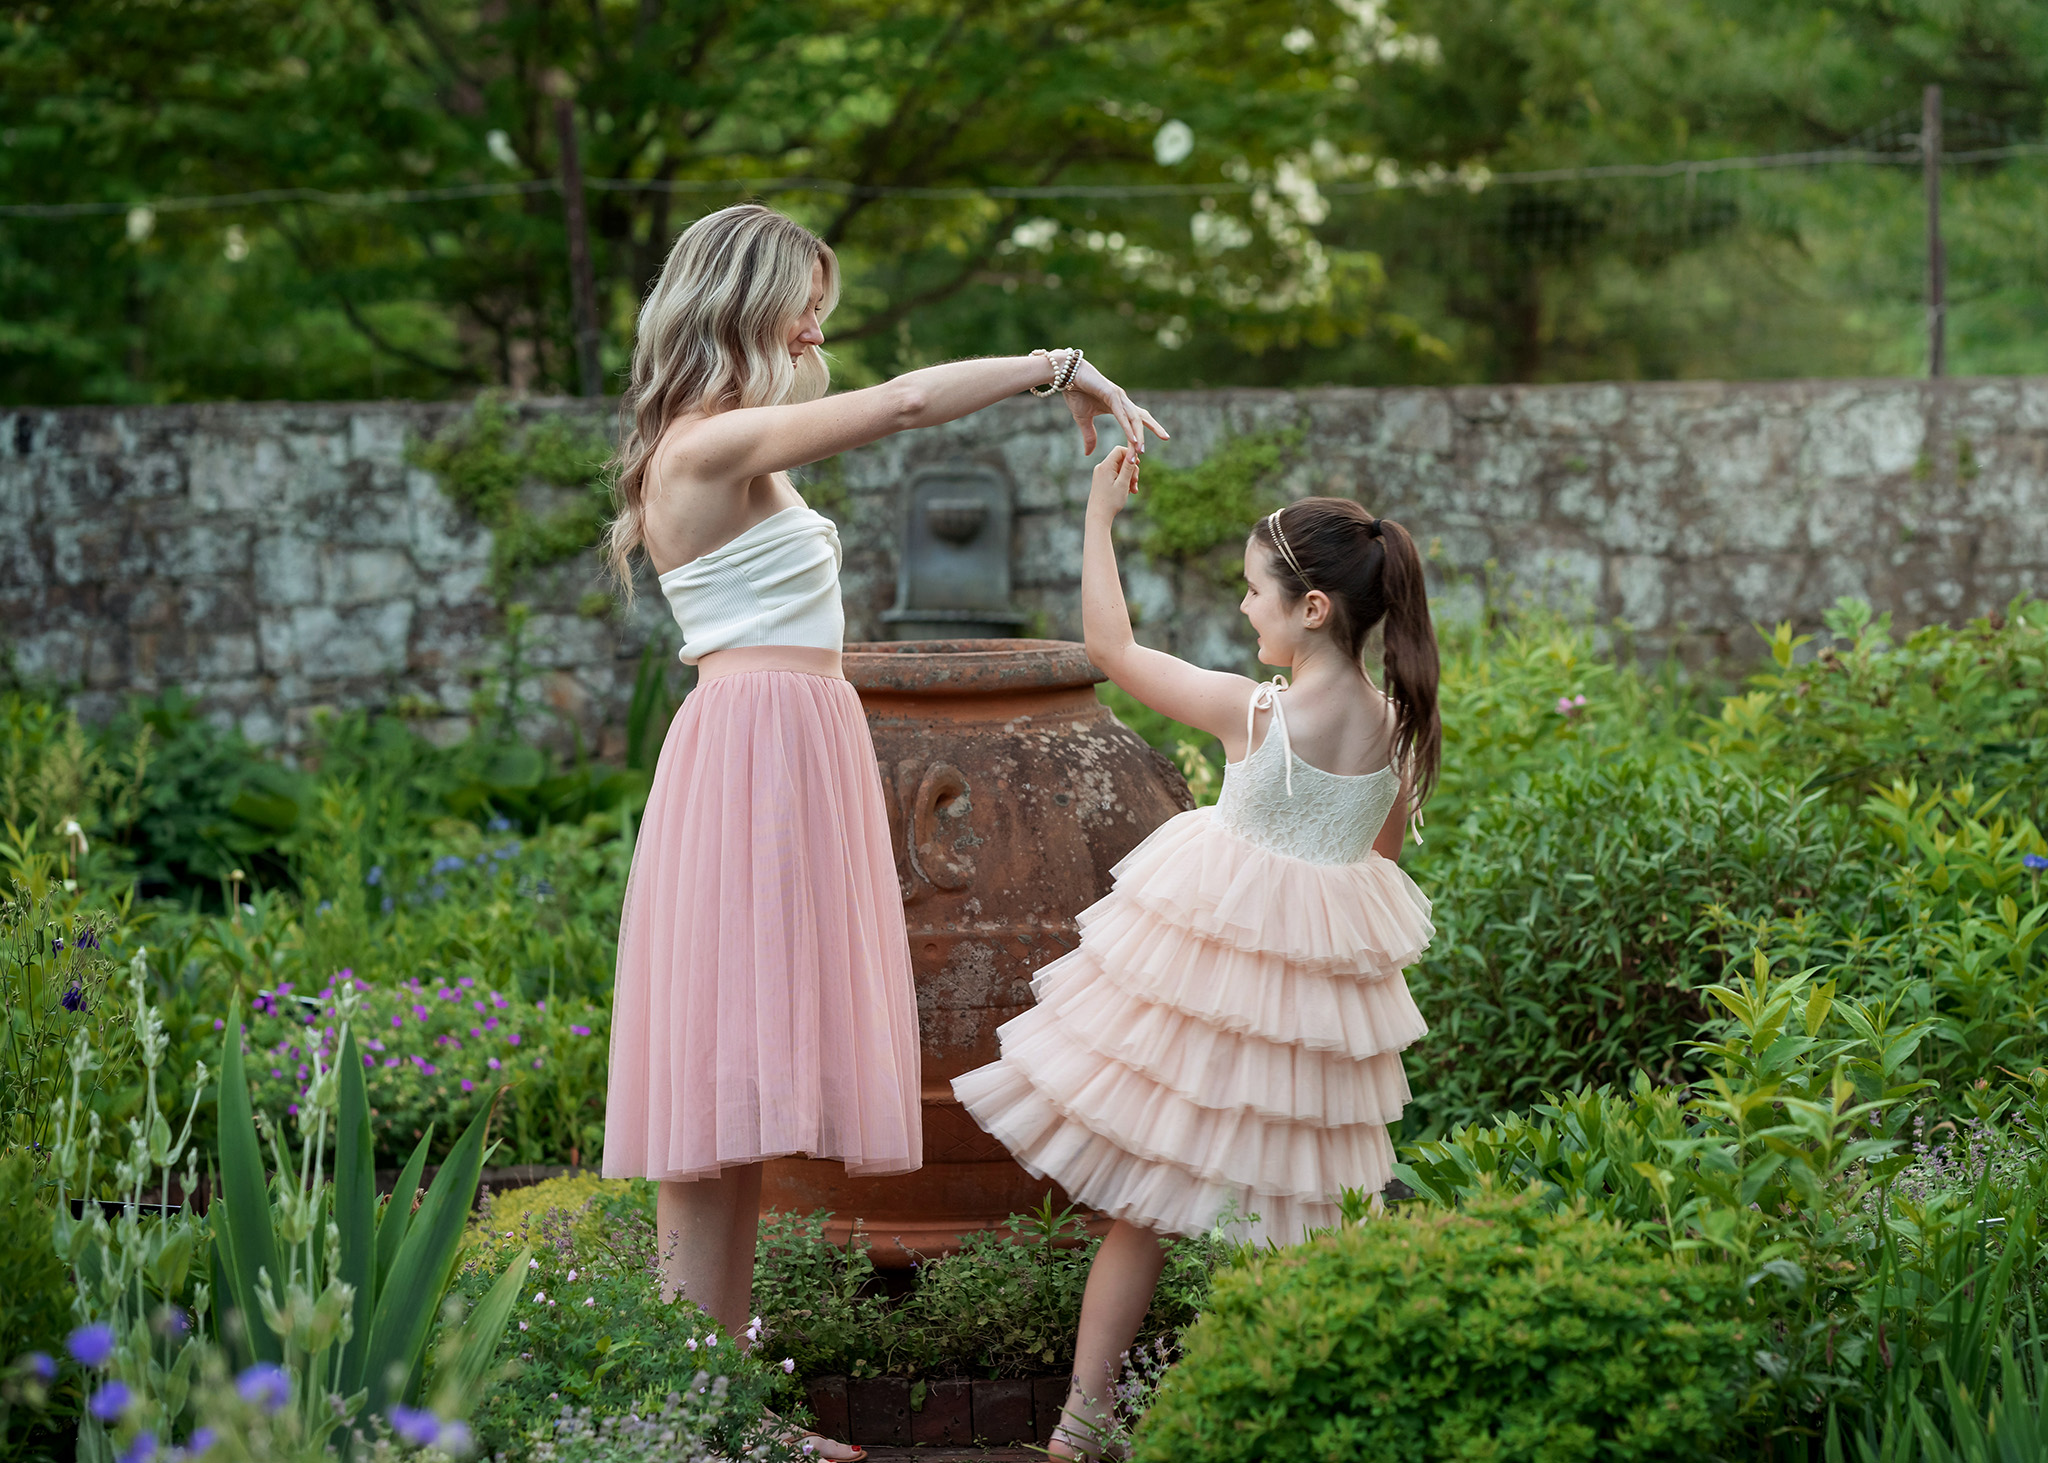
1063,372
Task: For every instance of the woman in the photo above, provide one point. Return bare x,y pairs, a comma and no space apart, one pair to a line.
764,1003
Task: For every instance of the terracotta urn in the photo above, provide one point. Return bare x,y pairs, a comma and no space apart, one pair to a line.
1012,792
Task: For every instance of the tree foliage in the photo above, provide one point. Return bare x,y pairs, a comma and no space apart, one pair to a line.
1267,271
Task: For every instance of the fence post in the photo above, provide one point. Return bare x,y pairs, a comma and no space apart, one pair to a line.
1937,257
582,280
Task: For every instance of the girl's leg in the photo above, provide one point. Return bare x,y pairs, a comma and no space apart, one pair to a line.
1120,1286
707,1229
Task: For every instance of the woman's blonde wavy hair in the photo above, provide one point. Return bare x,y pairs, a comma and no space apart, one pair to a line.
714,335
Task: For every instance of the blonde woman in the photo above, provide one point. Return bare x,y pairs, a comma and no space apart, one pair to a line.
763,1003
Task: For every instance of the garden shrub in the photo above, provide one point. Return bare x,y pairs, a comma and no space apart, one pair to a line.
35,1312
1507,1330
1569,945
1881,1249
590,1329
1005,1304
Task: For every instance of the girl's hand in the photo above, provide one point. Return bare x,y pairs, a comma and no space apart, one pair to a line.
1116,479
1093,395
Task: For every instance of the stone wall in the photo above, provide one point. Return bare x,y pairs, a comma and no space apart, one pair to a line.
275,559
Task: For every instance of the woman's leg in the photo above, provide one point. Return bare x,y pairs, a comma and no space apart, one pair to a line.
1120,1286
707,1229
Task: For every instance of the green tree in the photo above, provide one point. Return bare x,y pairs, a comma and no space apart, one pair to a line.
1274,255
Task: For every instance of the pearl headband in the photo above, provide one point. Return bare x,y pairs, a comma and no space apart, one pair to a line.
1280,538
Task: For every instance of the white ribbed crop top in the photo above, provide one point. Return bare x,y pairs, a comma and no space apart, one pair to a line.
775,584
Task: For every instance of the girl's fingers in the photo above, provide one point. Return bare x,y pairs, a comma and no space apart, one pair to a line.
1157,430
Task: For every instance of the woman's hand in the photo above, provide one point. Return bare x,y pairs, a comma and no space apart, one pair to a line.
1116,479
1093,395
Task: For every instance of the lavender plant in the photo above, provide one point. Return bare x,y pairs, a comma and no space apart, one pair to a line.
140,1307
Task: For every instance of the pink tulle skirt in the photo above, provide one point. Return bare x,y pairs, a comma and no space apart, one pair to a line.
763,1003
1223,1046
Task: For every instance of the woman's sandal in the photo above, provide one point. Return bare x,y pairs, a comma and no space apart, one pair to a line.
800,1438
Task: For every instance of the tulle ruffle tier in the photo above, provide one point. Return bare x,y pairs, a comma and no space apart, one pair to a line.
1224,1044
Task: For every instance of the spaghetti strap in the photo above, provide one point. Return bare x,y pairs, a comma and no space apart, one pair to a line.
1266,697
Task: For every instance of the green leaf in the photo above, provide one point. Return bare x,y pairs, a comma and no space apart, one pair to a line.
483,1329
355,1205
411,1292
245,1208
397,1218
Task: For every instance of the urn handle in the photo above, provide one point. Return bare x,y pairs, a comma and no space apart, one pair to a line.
938,823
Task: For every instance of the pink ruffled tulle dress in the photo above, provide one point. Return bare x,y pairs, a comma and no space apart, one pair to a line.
763,1004
1224,1044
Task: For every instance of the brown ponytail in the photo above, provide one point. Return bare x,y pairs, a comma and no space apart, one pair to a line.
1372,573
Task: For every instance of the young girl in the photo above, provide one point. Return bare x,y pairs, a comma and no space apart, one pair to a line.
1225,1041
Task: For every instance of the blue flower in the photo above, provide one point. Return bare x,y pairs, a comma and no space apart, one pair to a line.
201,1440
448,862
2036,862
387,904
375,876
415,1425
40,1366
141,1450
92,1345
57,946
499,824
110,1402
266,1384
73,999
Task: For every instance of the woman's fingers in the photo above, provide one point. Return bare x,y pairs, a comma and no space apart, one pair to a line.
1158,431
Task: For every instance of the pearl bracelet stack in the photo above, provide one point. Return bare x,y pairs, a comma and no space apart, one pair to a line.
1063,372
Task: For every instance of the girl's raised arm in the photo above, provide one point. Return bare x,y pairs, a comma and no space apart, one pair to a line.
748,442
1211,701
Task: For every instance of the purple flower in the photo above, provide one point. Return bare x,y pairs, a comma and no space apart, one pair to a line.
202,1439
375,876
390,1062
2035,861
57,945
173,1322
40,1366
789,1364
512,1038
415,1425
266,1384
74,999
110,1402
492,1064
419,1013
536,1064
467,981
579,1031
141,1450
467,1085
91,1345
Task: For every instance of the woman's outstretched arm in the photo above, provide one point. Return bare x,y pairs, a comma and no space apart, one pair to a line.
745,443
1212,701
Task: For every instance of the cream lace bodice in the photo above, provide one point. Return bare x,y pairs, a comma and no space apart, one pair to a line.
1274,799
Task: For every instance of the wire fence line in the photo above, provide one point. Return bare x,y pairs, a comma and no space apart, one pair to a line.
1476,180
